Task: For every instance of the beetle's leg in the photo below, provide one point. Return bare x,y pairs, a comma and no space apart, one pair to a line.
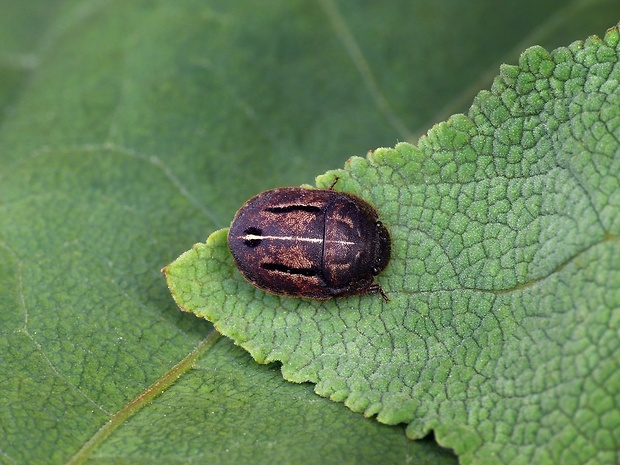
334,183
377,289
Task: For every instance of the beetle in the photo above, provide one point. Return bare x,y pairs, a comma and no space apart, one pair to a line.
314,243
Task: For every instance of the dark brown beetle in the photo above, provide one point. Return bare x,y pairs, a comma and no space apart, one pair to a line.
315,243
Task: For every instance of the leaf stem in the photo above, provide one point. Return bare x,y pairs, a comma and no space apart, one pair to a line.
357,56
147,396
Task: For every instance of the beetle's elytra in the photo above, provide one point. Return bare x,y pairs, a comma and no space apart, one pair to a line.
315,243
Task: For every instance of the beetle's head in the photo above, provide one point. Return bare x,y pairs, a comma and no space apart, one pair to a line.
383,249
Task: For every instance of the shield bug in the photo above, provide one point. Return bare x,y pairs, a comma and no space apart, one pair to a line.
315,243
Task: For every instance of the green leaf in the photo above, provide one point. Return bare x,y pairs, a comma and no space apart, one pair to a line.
503,329
129,130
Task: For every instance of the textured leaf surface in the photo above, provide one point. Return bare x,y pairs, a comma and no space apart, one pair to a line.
128,131
503,329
